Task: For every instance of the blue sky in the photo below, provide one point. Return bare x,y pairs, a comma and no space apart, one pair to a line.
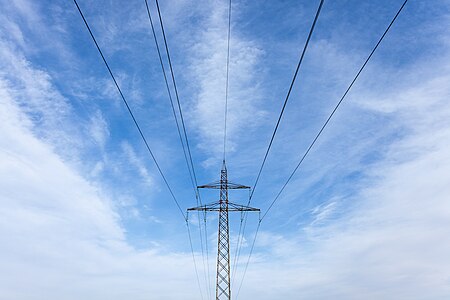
85,214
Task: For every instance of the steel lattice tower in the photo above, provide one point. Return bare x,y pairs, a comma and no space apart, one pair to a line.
223,206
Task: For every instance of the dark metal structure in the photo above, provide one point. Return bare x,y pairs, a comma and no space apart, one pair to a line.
223,206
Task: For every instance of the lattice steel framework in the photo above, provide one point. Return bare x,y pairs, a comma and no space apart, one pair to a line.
223,206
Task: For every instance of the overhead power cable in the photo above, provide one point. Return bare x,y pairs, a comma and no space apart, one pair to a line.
288,95
130,111
329,118
170,98
189,161
227,83
248,260
335,109
243,222
176,93
193,258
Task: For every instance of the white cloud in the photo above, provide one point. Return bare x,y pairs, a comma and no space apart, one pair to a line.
392,241
136,162
208,67
323,211
47,109
97,169
99,129
60,236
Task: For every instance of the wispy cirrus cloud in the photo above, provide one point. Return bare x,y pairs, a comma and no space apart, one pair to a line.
133,159
208,68
389,239
55,224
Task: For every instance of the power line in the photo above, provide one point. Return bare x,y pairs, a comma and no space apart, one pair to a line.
288,94
129,110
248,260
226,84
194,186
207,257
193,258
191,166
170,95
207,276
176,91
335,109
243,222
326,122
239,242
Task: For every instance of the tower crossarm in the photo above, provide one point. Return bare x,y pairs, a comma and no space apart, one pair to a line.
216,207
229,185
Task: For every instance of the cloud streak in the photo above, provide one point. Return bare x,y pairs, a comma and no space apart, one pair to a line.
208,68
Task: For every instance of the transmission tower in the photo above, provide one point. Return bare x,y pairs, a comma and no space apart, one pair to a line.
223,206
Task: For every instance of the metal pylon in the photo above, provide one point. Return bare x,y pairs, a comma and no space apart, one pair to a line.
223,289
223,206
